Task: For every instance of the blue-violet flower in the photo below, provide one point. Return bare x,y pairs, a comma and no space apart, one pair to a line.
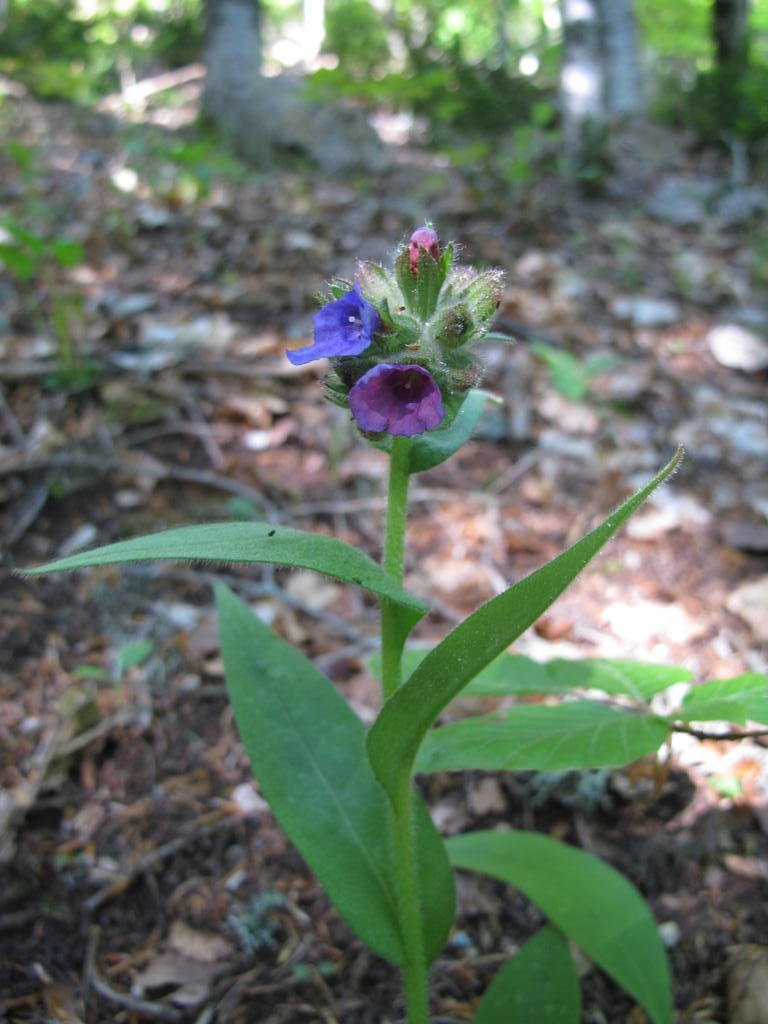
344,327
399,399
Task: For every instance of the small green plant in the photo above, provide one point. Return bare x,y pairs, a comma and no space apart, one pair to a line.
255,927
403,343
571,376
26,254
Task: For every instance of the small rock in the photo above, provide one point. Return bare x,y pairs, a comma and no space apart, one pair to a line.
81,538
120,307
180,614
152,217
248,800
670,933
682,201
742,204
667,512
487,797
642,621
572,417
750,603
745,536
738,348
211,332
646,311
554,442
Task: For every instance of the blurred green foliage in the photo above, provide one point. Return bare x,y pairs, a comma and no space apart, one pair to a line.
65,49
482,78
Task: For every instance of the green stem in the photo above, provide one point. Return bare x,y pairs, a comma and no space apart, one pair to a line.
409,905
392,642
394,552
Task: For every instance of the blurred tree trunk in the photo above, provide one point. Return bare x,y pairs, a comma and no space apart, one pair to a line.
502,32
581,73
730,33
624,93
232,55
600,75
314,30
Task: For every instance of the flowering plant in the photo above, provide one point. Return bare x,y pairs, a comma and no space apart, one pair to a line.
402,349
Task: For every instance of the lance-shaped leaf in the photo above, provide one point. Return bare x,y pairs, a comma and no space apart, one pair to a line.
403,722
587,899
253,543
636,679
507,675
307,749
730,700
538,985
435,446
579,735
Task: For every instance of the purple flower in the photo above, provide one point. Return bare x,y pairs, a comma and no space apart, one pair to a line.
342,328
397,399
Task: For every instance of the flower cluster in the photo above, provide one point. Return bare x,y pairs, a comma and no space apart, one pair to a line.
400,341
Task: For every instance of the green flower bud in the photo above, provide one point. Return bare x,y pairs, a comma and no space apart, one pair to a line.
483,294
454,325
380,289
464,371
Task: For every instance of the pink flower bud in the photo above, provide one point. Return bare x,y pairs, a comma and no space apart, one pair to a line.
423,238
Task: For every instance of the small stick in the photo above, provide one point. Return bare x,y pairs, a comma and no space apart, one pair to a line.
92,977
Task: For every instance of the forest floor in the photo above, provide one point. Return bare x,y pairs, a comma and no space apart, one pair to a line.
142,875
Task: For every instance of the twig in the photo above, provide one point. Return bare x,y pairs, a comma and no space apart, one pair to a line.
92,977
701,734
199,429
205,825
12,425
419,495
263,589
136,93
83,739
30,509
107,464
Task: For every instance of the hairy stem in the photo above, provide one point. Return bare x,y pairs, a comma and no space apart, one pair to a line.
394,552
392,642
409,906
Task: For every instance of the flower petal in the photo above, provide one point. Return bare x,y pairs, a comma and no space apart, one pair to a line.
400,399
344,327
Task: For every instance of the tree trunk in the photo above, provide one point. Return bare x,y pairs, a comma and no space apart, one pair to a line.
232,54
729,31
622,69
581,74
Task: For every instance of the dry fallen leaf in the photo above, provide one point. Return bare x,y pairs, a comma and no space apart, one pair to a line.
190,962
748,985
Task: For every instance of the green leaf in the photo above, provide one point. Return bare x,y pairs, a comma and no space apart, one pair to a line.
566,371
435,446
133,654
588,900
539,985
532,737
398,731
307,749
509,674
513,675
730,700
18,261
34,243
67,253
253,543
636,679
